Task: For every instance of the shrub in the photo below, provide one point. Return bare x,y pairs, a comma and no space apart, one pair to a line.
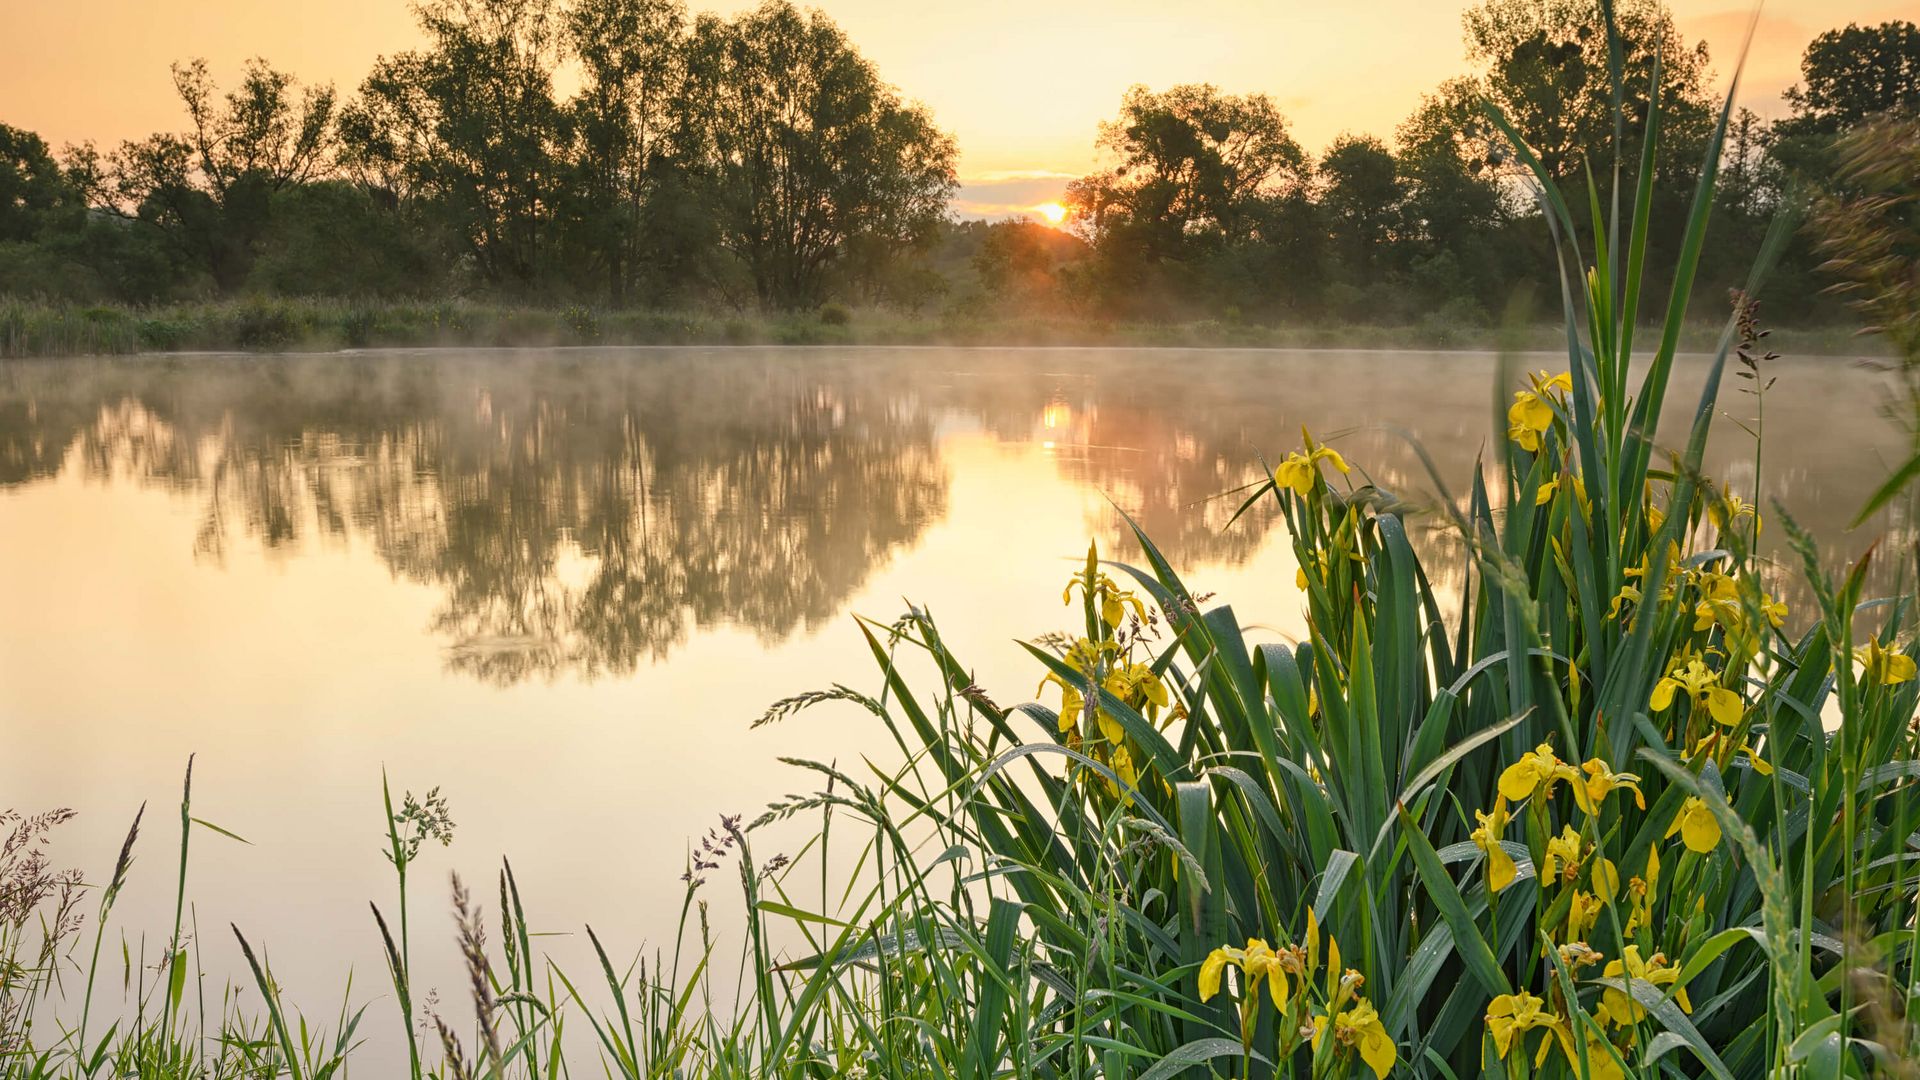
357,326
582,325
263,325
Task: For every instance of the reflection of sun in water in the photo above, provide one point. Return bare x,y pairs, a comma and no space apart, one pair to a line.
1053,212
1055,416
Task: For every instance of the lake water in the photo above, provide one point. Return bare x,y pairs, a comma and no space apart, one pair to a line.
561,585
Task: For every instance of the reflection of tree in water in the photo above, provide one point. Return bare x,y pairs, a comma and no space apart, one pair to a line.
601,534
1168,434
577,515
583,512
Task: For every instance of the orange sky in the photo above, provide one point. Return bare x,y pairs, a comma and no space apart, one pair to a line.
1021,84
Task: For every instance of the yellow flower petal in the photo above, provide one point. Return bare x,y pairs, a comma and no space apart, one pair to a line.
1377,1050
1900,668
1313,941
1724,706
1697,827
1606,878
1517,780
1211,970
1500,868
1662,694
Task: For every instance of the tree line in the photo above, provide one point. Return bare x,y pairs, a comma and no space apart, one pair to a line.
759,156
761,161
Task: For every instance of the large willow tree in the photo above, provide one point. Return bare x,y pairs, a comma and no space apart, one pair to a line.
806,151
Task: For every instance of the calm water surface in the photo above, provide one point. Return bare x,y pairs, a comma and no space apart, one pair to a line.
561,585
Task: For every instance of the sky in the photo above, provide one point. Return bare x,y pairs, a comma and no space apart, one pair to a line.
1022,85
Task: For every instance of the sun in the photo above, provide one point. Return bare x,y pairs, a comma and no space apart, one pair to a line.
1053,212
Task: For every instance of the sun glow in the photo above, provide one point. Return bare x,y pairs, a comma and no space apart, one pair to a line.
1053,212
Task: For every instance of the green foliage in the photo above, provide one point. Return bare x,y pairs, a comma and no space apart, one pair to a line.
1852,75
33,190
805,151
470,124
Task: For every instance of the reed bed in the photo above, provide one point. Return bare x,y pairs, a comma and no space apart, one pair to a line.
31,329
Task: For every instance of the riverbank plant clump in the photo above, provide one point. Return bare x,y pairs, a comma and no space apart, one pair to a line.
1595,803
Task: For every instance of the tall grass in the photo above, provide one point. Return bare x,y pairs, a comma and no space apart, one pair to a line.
1598,807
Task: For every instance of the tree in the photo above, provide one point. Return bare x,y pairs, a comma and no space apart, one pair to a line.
1191,163
1457,215
210,190
1545,65
1850,76
336,238
470,124
1362,196
631,57
1199,180
33,189
806,151
1020,262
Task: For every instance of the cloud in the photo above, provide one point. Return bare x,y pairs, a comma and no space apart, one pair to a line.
1008,193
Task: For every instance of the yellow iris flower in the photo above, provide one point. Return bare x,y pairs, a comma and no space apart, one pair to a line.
1712,740
1605,878
1511,1016
1641,892
1719,602
1299,471
1600,1060
1112,599
1563,856
1500,868
1257,962
1535,773
1552,487
1567,853
1774,610
1703,687
1620,1010
1729,510
1135,684
1888,667
1697,826
1359,1026
1531,413
1601,781
1627,595
1583,911
1313,942
1300,572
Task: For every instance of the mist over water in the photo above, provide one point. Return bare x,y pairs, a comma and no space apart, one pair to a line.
561,585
